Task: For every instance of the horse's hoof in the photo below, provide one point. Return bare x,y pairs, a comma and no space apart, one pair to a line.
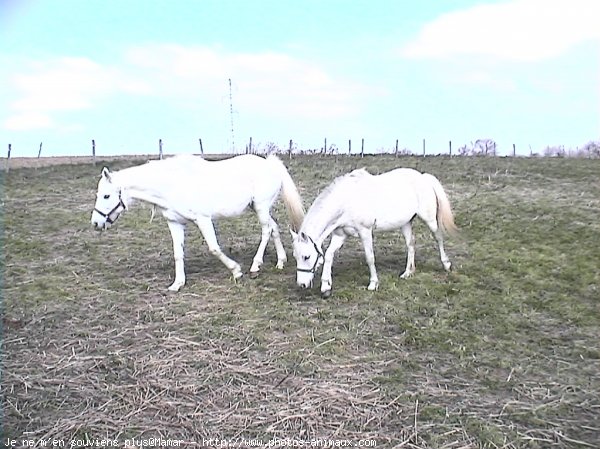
254,274
325,294
373,286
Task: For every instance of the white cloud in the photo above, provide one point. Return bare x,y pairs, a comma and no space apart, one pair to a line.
62,84
518,30
267,83
485,78
28,121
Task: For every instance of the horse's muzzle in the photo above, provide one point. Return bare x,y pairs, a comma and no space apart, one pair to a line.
306,283
100,226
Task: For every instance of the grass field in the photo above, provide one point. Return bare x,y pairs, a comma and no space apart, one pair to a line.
502,352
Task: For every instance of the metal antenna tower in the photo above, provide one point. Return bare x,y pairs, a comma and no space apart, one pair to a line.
231,115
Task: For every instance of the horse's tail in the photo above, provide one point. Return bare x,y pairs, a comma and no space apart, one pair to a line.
289,193
445,217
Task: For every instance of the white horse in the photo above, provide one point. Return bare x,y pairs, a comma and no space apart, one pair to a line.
358,203
188,188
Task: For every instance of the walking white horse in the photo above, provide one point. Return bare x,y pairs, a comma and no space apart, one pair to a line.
358,203
188,188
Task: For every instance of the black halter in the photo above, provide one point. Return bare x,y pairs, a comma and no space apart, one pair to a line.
319,255
114,209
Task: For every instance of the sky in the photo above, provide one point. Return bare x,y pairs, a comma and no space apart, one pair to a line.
127,73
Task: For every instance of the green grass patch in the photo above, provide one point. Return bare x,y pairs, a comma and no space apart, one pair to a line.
501,352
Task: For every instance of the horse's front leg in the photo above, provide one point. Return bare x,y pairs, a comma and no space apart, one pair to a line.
208,231
337,240
366,235
178,236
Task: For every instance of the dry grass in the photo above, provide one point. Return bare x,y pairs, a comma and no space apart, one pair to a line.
34,162
501,353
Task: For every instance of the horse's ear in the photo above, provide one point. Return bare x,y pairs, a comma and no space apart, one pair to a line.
106,173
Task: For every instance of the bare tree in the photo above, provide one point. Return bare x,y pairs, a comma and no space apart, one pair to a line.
481,147
271,148
486,147
591,149
464,151
554,151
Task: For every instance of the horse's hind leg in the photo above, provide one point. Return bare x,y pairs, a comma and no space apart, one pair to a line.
268,227
178,236
208,231
281,256
439,236
409,237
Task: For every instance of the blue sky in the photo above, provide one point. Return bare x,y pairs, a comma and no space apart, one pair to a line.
127,73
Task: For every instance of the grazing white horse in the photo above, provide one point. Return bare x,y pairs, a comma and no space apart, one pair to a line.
358,203
188,188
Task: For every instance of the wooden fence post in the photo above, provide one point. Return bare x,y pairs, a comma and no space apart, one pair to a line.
250,146
290,150
160,150
423,147
514,150
201,149
362,148
40,150
325,146
349,147
94,152
396,153
8,158
450,147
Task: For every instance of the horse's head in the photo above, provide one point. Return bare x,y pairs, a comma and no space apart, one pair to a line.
309,257
109,202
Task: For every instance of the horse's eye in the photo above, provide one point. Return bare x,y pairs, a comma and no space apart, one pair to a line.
106,196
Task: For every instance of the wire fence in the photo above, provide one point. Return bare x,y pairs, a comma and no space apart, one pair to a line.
479,147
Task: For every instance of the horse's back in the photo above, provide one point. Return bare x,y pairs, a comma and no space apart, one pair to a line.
401,175
387,200
196,171
215,188
244,160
